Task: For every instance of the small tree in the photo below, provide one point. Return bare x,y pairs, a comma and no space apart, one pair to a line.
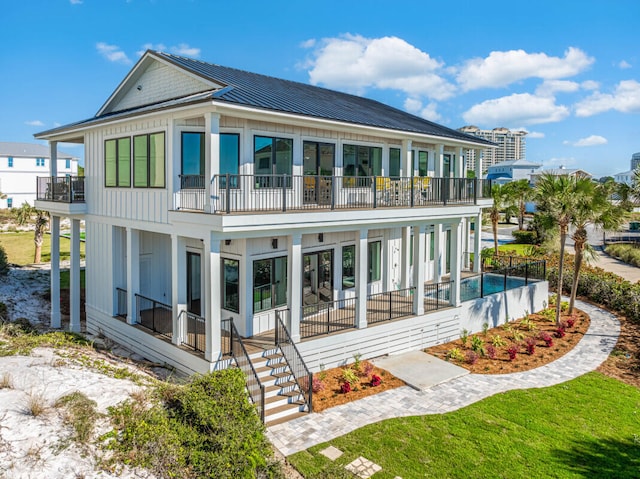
500,197
28,214
520,192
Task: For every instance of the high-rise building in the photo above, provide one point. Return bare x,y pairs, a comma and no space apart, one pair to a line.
511,146
635,160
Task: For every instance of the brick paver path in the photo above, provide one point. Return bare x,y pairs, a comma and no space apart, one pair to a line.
307,431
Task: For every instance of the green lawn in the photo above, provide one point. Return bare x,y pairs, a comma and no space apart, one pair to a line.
520,249
20,248
587,427
65,277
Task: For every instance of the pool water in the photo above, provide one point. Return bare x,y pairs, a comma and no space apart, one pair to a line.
491,284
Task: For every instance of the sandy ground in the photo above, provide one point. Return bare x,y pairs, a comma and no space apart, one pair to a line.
37,447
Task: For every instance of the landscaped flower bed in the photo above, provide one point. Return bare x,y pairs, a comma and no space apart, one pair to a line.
520,345
359,379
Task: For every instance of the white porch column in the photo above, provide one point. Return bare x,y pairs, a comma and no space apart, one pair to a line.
478,156
362,277
74,277
405,258
477,243
455,263
466,246
461,171
295,285
407,164
418,271
53,158
438,253
212,275
178,287
133,273
211,155
439,160
55,272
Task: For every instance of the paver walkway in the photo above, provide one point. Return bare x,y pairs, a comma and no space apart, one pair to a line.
316,428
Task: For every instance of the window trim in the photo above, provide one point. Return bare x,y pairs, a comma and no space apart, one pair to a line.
347,286
370,279
223,283
269,180
273,282
148,160
117,162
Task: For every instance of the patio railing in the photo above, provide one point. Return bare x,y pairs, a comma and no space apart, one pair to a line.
154,315
121,295
437,295
299,370
247,193
325,318
390,305
62,189
194,331
238,352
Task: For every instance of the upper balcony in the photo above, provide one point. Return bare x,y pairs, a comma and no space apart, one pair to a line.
63,195
230,194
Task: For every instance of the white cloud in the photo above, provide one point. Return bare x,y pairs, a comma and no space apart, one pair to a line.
34,123
75,2
535,134
354,63
180,49
308,43
551,87
500,69
559,162
592,140
624,65
521,108
113,53
427,112
590,85
625,99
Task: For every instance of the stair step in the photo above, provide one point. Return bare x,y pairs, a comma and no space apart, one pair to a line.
284,410
283,419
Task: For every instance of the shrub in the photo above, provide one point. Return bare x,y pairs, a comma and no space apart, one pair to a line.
546,337
485,328
530,344
571,322
207,428
345,387
367,368
356,361
477,345
548,314
464,336
4,262
471,357
80,413
560,332
491,351
513,351
455,354
317,385
525,237
497,341
350,376
376,380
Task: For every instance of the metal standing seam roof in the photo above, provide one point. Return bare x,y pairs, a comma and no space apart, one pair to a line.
274,94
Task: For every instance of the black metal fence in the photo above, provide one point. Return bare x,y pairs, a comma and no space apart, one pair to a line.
301,374
437,295
194,331
242,193
121,295
154,315
325,318
236,349
502,274
62,189
390,305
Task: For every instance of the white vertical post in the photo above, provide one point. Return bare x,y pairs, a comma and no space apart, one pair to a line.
211,155
53,158
418,270
74,277
461,171
212,286
455,263
295,285
407,166
439,160
55,272
405,266
133,273
477,243
362,277
178,287
478,165
438,252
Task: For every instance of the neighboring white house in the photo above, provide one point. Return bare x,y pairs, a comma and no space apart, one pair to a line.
625,177
21,164
512,171
562,171
212,193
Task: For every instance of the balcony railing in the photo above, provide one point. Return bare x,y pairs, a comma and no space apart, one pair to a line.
389,305
61,189
122,303
325,318
248,193
194,331
154,315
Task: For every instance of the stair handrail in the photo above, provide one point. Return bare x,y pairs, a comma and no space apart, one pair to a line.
239,353
297,366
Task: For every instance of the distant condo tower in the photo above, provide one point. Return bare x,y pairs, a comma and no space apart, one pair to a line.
635,160
511,146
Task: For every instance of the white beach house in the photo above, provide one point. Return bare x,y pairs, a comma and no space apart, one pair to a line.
223,206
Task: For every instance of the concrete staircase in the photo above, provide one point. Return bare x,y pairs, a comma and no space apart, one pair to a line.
282,396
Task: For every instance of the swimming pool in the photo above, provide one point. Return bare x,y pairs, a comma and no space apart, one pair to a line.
470,288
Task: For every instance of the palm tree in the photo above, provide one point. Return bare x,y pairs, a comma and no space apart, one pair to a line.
500,197
520,192
594,207
556,199
24,215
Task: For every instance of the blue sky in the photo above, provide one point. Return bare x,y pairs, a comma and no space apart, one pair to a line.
568,72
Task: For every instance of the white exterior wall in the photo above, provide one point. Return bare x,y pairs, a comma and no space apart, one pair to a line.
19,182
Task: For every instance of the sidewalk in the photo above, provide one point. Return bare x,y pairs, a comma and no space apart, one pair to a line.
316,428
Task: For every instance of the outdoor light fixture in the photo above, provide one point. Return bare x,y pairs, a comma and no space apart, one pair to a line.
227,242
321,237
274,243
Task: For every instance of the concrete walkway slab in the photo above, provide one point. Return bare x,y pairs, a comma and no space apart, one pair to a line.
420,370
